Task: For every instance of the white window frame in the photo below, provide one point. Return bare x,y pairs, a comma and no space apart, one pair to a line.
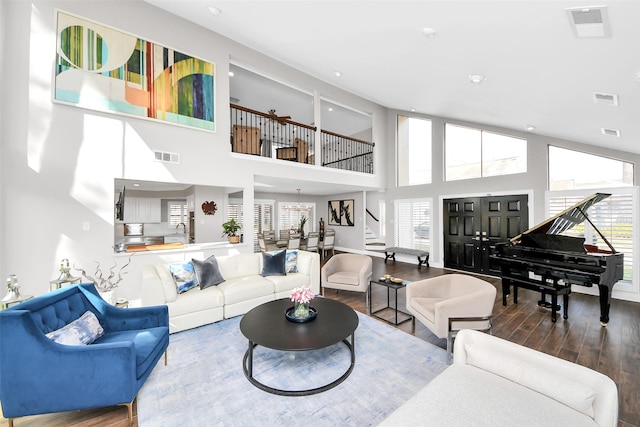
289,208
404,233
172,220
408,149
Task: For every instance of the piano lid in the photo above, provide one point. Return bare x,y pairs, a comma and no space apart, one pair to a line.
566,219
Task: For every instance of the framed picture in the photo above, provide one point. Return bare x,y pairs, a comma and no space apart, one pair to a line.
341,212
334,212
346,212
103,69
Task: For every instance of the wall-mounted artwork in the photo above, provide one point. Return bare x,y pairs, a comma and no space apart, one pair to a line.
341,212
103,69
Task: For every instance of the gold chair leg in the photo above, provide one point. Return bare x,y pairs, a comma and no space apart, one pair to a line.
10,420
129,411
165,357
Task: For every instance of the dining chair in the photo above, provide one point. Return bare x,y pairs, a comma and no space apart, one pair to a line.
294,242
327,244
313,238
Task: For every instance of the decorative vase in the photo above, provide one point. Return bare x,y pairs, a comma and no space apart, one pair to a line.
301,310
109,296
234,239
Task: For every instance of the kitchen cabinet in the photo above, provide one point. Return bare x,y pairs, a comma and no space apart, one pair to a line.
142,209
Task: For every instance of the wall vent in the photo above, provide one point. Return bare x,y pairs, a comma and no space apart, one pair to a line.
162,156
591,21
606,98
611,132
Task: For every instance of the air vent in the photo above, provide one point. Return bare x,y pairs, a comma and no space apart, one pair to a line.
591,21
606,99
162,156
611,132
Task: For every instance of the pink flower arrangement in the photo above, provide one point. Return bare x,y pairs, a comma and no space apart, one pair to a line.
302,295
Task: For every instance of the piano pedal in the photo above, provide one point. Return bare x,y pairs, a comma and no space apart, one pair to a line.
547,304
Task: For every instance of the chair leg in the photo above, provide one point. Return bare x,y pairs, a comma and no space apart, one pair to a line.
10,421
165,356
129,411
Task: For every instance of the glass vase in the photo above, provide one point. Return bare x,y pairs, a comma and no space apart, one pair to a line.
301,310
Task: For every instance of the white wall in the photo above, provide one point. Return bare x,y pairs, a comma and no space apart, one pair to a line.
59,162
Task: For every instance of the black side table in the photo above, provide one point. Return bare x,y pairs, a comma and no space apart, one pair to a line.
389,285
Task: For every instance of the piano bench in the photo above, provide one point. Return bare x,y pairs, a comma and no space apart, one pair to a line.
537,286
390,253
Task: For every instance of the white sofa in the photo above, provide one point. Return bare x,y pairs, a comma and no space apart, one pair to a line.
494,382
243,289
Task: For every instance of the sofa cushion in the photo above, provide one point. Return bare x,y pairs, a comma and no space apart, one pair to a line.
168,284
183,275
288,282
207,272
84,330
553,384
245,288
345,278
197,300
464,395
240,265
274,264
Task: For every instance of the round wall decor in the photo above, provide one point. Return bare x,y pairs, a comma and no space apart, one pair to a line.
209,208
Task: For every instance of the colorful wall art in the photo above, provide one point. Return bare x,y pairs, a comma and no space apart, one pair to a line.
341,212
103,69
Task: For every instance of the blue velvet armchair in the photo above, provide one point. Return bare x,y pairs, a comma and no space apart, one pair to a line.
39,375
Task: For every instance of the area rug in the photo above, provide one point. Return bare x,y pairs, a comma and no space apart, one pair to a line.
204,384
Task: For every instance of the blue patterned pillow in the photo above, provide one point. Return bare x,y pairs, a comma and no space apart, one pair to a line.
84,330
183,275
291,263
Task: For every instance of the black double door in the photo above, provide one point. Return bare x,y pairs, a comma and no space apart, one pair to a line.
473,225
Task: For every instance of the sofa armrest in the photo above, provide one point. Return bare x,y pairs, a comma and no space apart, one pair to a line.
559,379
152,289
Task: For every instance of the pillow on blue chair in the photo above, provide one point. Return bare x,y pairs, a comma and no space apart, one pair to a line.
274,264
82,331
183,275
207,272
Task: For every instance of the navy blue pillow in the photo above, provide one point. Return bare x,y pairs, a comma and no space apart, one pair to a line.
274,264
207,272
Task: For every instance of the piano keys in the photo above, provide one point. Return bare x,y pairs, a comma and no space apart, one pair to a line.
543,260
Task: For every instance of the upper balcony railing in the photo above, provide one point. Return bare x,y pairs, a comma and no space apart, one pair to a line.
278,137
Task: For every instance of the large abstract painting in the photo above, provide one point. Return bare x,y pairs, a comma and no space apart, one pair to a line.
341,212
103,69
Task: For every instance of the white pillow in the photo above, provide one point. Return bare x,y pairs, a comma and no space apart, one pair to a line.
82,331
553,384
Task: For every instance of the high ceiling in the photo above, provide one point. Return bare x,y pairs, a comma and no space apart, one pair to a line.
537,72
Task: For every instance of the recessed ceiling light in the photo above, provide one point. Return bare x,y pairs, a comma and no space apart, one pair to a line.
136,185
337,73
330,108
214,10
530,128
413,109
428,32
476,78
231,74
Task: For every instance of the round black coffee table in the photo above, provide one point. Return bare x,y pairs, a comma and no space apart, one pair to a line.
266,325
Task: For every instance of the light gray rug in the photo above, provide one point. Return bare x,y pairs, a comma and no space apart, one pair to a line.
204,385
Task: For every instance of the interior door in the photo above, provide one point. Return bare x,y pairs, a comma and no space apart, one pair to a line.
473,225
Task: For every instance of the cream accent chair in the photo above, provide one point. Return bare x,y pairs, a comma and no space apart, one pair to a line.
449,303
347,272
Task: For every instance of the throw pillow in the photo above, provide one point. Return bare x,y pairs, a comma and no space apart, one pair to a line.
82,331
183,276
274,264
291,263
207,272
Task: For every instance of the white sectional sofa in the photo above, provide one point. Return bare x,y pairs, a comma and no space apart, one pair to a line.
243,288
494,382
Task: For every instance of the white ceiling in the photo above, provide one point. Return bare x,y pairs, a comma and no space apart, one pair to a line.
537,72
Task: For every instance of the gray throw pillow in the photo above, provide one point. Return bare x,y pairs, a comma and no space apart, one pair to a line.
274,264
207,272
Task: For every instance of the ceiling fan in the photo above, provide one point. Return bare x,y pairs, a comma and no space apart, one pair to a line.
280,119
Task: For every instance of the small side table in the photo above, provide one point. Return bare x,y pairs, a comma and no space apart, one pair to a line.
58,283
122,303
389,285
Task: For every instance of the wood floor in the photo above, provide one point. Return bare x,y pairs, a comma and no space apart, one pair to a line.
614,350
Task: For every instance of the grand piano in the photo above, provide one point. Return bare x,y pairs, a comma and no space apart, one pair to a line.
543,260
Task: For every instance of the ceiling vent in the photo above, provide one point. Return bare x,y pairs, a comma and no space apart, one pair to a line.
611,132
606,99
591,21
162,156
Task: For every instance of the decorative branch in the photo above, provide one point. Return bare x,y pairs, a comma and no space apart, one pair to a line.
108,283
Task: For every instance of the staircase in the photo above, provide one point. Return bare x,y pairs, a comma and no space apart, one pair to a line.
373,242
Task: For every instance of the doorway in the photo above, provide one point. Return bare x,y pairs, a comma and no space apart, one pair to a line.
473,226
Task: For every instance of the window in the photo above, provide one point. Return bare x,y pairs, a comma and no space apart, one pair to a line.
613,216
289,215
475,153
413,223
178,212
263,216
572,170
414,151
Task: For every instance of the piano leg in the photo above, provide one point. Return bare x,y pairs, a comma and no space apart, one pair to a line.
565,306
506,289
554,306
605,303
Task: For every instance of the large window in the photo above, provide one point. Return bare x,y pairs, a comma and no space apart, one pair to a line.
413,223
414,151
289,215
177,210
476,153
572,170
614,217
